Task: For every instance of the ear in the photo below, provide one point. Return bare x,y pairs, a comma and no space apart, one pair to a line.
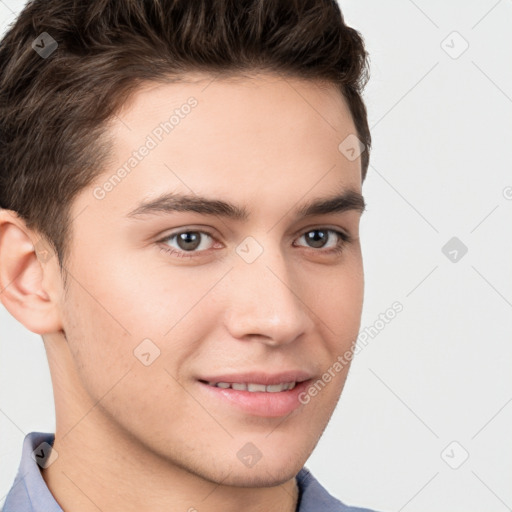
30,282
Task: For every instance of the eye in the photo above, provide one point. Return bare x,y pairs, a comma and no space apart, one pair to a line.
190,243
186,242
329,240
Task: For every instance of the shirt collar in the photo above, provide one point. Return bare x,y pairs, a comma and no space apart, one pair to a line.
29,492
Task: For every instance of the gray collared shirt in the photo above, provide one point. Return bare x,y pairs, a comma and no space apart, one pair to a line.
29,492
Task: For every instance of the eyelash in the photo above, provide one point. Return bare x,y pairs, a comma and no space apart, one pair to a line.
343,239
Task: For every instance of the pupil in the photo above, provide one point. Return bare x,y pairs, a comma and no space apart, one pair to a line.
189,240
317,239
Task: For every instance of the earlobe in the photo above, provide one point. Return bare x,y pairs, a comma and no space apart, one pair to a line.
23,287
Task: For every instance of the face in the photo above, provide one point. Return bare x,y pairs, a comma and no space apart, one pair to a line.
165,294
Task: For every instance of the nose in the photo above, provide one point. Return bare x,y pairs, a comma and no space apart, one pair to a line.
265,301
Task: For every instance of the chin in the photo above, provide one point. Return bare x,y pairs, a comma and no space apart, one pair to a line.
270,473
260,477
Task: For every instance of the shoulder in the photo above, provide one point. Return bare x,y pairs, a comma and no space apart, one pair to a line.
313,497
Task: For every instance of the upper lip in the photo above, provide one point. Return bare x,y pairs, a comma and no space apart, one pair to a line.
260,377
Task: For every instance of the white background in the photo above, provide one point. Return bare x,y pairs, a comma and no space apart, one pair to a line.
441,370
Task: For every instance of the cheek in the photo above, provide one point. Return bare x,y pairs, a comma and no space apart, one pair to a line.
340,303
121,303
98,340
151,296
109,351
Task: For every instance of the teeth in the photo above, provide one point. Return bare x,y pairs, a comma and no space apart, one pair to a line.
256,387
240,386
274,388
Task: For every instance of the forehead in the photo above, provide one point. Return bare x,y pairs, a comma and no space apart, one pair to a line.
234,136
237,112
269,92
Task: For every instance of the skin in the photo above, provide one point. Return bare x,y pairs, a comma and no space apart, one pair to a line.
148,432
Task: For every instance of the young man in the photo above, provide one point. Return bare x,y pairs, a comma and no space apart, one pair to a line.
181,196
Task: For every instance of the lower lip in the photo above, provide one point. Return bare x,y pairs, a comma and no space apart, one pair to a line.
260,403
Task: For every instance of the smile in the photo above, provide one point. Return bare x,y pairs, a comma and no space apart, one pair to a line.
255,388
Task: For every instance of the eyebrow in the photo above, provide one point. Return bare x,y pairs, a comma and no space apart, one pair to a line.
171,202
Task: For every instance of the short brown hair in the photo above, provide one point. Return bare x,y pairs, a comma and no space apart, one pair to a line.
54,109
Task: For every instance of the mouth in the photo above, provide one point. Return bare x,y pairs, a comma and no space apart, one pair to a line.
254,398
252,387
